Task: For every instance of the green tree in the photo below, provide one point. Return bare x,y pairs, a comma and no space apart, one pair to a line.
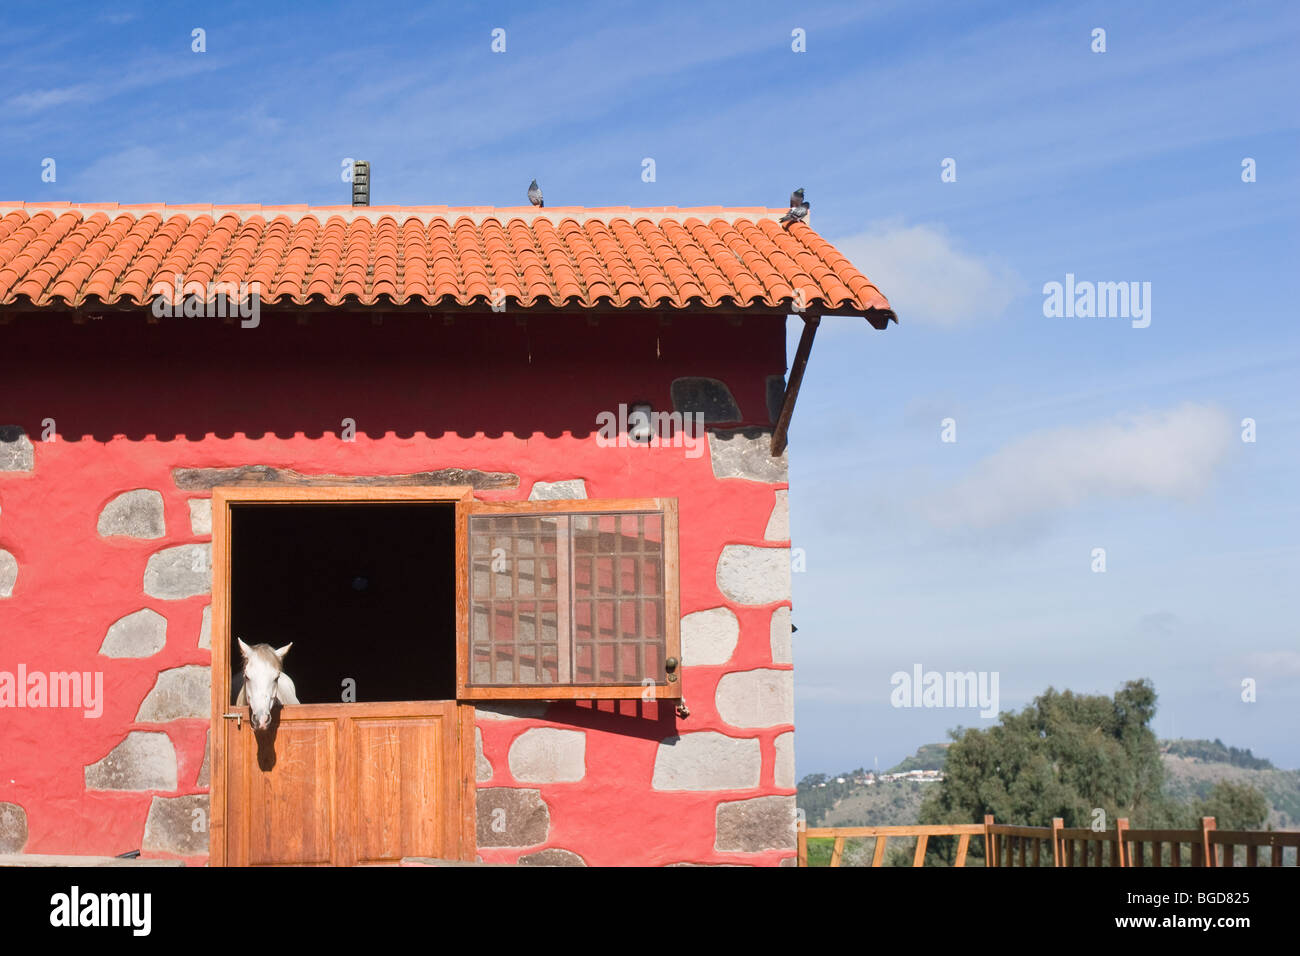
1234,806
1065,755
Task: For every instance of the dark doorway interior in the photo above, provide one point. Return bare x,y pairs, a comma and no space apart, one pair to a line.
364,591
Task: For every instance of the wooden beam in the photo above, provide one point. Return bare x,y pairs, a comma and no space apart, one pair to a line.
810,324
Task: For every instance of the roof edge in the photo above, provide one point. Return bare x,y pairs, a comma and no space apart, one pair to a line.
477,214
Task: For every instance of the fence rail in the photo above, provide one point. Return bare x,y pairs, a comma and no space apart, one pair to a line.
1058,845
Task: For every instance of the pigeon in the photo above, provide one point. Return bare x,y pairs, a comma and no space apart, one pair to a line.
798,209
535,194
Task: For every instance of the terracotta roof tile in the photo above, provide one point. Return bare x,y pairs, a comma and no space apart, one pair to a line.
64,254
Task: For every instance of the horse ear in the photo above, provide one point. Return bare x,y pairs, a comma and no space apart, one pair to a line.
244,649
281,651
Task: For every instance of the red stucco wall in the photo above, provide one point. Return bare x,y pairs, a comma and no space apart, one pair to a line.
131,402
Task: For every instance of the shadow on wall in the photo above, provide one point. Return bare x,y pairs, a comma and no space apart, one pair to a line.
484,373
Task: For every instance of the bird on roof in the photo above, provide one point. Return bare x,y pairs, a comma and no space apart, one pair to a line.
535,194
798,209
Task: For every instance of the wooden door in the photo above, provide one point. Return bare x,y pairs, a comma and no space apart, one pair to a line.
344,784
337,784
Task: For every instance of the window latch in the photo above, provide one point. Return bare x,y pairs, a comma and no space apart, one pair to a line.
237,718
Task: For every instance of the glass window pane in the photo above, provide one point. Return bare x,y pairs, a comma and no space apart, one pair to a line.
576,595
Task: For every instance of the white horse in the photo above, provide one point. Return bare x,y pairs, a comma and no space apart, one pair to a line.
265,681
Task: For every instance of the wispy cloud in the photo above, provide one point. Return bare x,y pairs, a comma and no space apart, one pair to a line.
1169,454
37,100
108,85
927,277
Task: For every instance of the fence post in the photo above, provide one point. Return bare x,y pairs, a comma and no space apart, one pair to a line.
990,853
1207,848
1058,824
803,847
1121,831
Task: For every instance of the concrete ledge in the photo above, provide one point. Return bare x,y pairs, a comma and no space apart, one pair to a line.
44,859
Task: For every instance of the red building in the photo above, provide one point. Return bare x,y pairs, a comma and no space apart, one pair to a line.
511,481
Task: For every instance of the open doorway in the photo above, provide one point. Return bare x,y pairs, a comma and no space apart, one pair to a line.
366,592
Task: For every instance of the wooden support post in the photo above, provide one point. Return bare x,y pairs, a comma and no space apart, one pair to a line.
990,842
1120,858
803,846
878,855
1207,851
810,324
1058,823
918,858
837,851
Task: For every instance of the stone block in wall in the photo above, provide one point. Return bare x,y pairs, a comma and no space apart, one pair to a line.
752,575
548,755
178,693
205,479
707,760
482,766
177,825
205,629
555,856
511,817
200,516
707,396
568,489
8,573
511,711
141,633
709,637
13,828
775,396
755,825
180,572
757,698
134,514
785,760
205,767
16,452
746,453
780,636
778,523
142,761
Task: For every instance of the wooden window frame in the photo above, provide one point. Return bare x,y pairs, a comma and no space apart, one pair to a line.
663,689
462,497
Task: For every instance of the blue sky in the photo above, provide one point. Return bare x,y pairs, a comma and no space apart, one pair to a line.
1072,433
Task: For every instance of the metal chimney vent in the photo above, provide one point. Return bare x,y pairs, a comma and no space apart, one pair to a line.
360,183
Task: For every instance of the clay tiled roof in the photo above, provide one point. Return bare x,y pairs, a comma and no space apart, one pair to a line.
86,254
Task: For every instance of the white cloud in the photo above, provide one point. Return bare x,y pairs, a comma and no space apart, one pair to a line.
1275,663
1171,454
927,278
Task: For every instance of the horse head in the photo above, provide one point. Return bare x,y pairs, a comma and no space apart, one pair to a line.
265,681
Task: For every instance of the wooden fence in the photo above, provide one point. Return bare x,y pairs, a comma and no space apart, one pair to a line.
1059,845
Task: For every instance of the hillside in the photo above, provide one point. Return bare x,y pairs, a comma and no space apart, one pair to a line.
1191,766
